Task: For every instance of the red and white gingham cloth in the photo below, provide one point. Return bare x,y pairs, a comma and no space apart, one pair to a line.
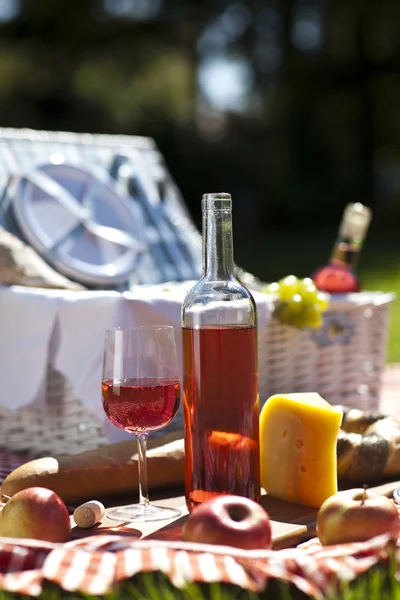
92,565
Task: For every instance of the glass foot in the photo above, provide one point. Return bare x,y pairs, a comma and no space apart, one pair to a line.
138,514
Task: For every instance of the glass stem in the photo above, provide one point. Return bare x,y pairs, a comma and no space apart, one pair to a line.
142,466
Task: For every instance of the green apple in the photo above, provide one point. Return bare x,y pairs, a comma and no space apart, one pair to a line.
356,515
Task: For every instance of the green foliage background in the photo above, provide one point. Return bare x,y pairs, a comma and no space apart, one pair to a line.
318,126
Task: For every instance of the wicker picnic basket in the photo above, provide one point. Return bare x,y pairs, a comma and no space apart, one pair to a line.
63,425
343,361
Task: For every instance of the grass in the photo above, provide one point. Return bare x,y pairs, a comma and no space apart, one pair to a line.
376,584
271,256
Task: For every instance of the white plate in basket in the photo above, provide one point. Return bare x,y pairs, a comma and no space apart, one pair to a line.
76,219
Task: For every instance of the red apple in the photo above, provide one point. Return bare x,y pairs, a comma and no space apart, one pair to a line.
36,513
229,521
355,516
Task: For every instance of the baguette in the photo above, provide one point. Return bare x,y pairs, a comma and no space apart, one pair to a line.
112,469
368,447
368,450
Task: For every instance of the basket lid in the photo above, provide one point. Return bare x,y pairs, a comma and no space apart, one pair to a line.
78,221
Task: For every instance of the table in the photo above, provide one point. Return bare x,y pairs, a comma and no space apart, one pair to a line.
291,523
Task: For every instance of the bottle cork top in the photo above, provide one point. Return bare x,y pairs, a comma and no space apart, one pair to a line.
355,221
216,201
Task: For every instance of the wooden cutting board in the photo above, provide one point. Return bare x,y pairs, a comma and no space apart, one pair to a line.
291,523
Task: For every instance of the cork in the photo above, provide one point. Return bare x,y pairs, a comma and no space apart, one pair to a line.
89,513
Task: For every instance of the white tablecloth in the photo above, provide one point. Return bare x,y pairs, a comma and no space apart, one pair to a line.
66,330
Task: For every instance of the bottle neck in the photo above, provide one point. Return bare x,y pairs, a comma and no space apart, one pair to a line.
352,231
346,253
217,243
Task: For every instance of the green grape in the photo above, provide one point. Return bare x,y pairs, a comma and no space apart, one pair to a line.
307,281
288,287
312,317
322,301
291,312
318,322
308,292
272,288
283,314
297,321
301,303
295,305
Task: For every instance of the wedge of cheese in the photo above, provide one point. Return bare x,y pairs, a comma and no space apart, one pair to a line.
298,434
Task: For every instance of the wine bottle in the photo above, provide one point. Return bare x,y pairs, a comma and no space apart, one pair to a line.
220,375
339,275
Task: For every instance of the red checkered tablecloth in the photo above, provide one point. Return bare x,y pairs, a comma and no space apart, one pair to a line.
93,565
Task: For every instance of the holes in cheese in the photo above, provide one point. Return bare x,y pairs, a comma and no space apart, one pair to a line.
298,434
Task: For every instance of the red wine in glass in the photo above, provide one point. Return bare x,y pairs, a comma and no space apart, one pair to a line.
141,394
141,405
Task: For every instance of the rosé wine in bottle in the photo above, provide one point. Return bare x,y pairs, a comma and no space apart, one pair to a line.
220,376
338,276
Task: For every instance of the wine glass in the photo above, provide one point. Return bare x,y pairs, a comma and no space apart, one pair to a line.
140,394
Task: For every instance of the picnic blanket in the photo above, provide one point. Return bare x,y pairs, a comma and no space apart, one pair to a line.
93,565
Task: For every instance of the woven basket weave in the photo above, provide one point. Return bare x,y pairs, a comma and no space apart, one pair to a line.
62,426
343,362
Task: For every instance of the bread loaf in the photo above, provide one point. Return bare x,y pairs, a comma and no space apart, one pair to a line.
112,469
368,450
368,447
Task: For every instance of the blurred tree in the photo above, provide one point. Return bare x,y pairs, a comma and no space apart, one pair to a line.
292,105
